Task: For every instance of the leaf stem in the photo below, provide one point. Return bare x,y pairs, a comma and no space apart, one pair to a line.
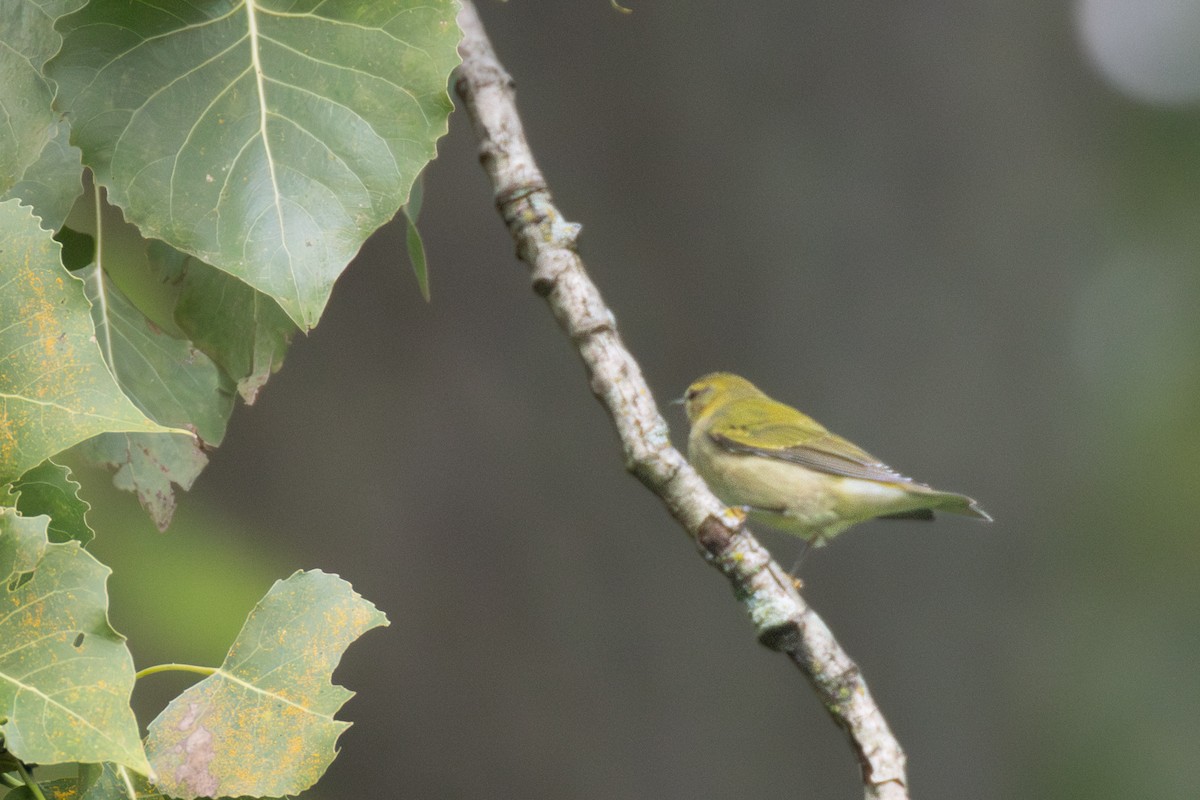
129,788
206,671
34,789
9,780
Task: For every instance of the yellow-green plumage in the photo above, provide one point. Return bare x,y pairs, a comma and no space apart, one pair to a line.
788,472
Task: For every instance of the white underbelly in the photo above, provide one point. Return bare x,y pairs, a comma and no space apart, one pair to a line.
807,503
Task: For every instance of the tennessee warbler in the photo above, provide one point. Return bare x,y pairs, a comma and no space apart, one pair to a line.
787,471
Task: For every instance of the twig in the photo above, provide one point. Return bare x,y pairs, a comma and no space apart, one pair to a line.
546,241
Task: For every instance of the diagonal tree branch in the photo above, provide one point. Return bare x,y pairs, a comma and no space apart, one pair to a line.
546,241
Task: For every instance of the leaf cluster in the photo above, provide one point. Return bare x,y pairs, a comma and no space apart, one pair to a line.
250,148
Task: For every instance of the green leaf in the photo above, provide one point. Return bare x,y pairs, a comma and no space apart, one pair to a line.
38,164
170,380
48,489
268,138
8,763
148,464
55,389
412,238
95,782
54,181
23,542
29,27
65,674
109,782
60,789
239,327
263,725
26,39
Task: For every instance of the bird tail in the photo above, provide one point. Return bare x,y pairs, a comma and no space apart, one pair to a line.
961,504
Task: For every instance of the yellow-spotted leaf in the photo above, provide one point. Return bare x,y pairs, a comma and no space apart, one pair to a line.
262,725
65,674
94,782
55,389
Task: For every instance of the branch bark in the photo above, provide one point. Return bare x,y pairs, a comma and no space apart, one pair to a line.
546,242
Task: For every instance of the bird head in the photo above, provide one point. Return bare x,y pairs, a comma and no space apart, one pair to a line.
713,390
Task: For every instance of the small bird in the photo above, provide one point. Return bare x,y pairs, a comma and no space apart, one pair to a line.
785,470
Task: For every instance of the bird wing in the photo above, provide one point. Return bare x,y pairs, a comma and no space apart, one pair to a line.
799,440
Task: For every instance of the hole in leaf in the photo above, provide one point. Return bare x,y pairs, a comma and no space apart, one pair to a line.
78,249
19,580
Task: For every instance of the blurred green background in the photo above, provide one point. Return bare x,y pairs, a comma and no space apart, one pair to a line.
961,234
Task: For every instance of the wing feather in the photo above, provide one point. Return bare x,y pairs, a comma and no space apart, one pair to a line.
801,440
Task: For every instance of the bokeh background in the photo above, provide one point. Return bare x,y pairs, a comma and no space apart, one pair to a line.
963,235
